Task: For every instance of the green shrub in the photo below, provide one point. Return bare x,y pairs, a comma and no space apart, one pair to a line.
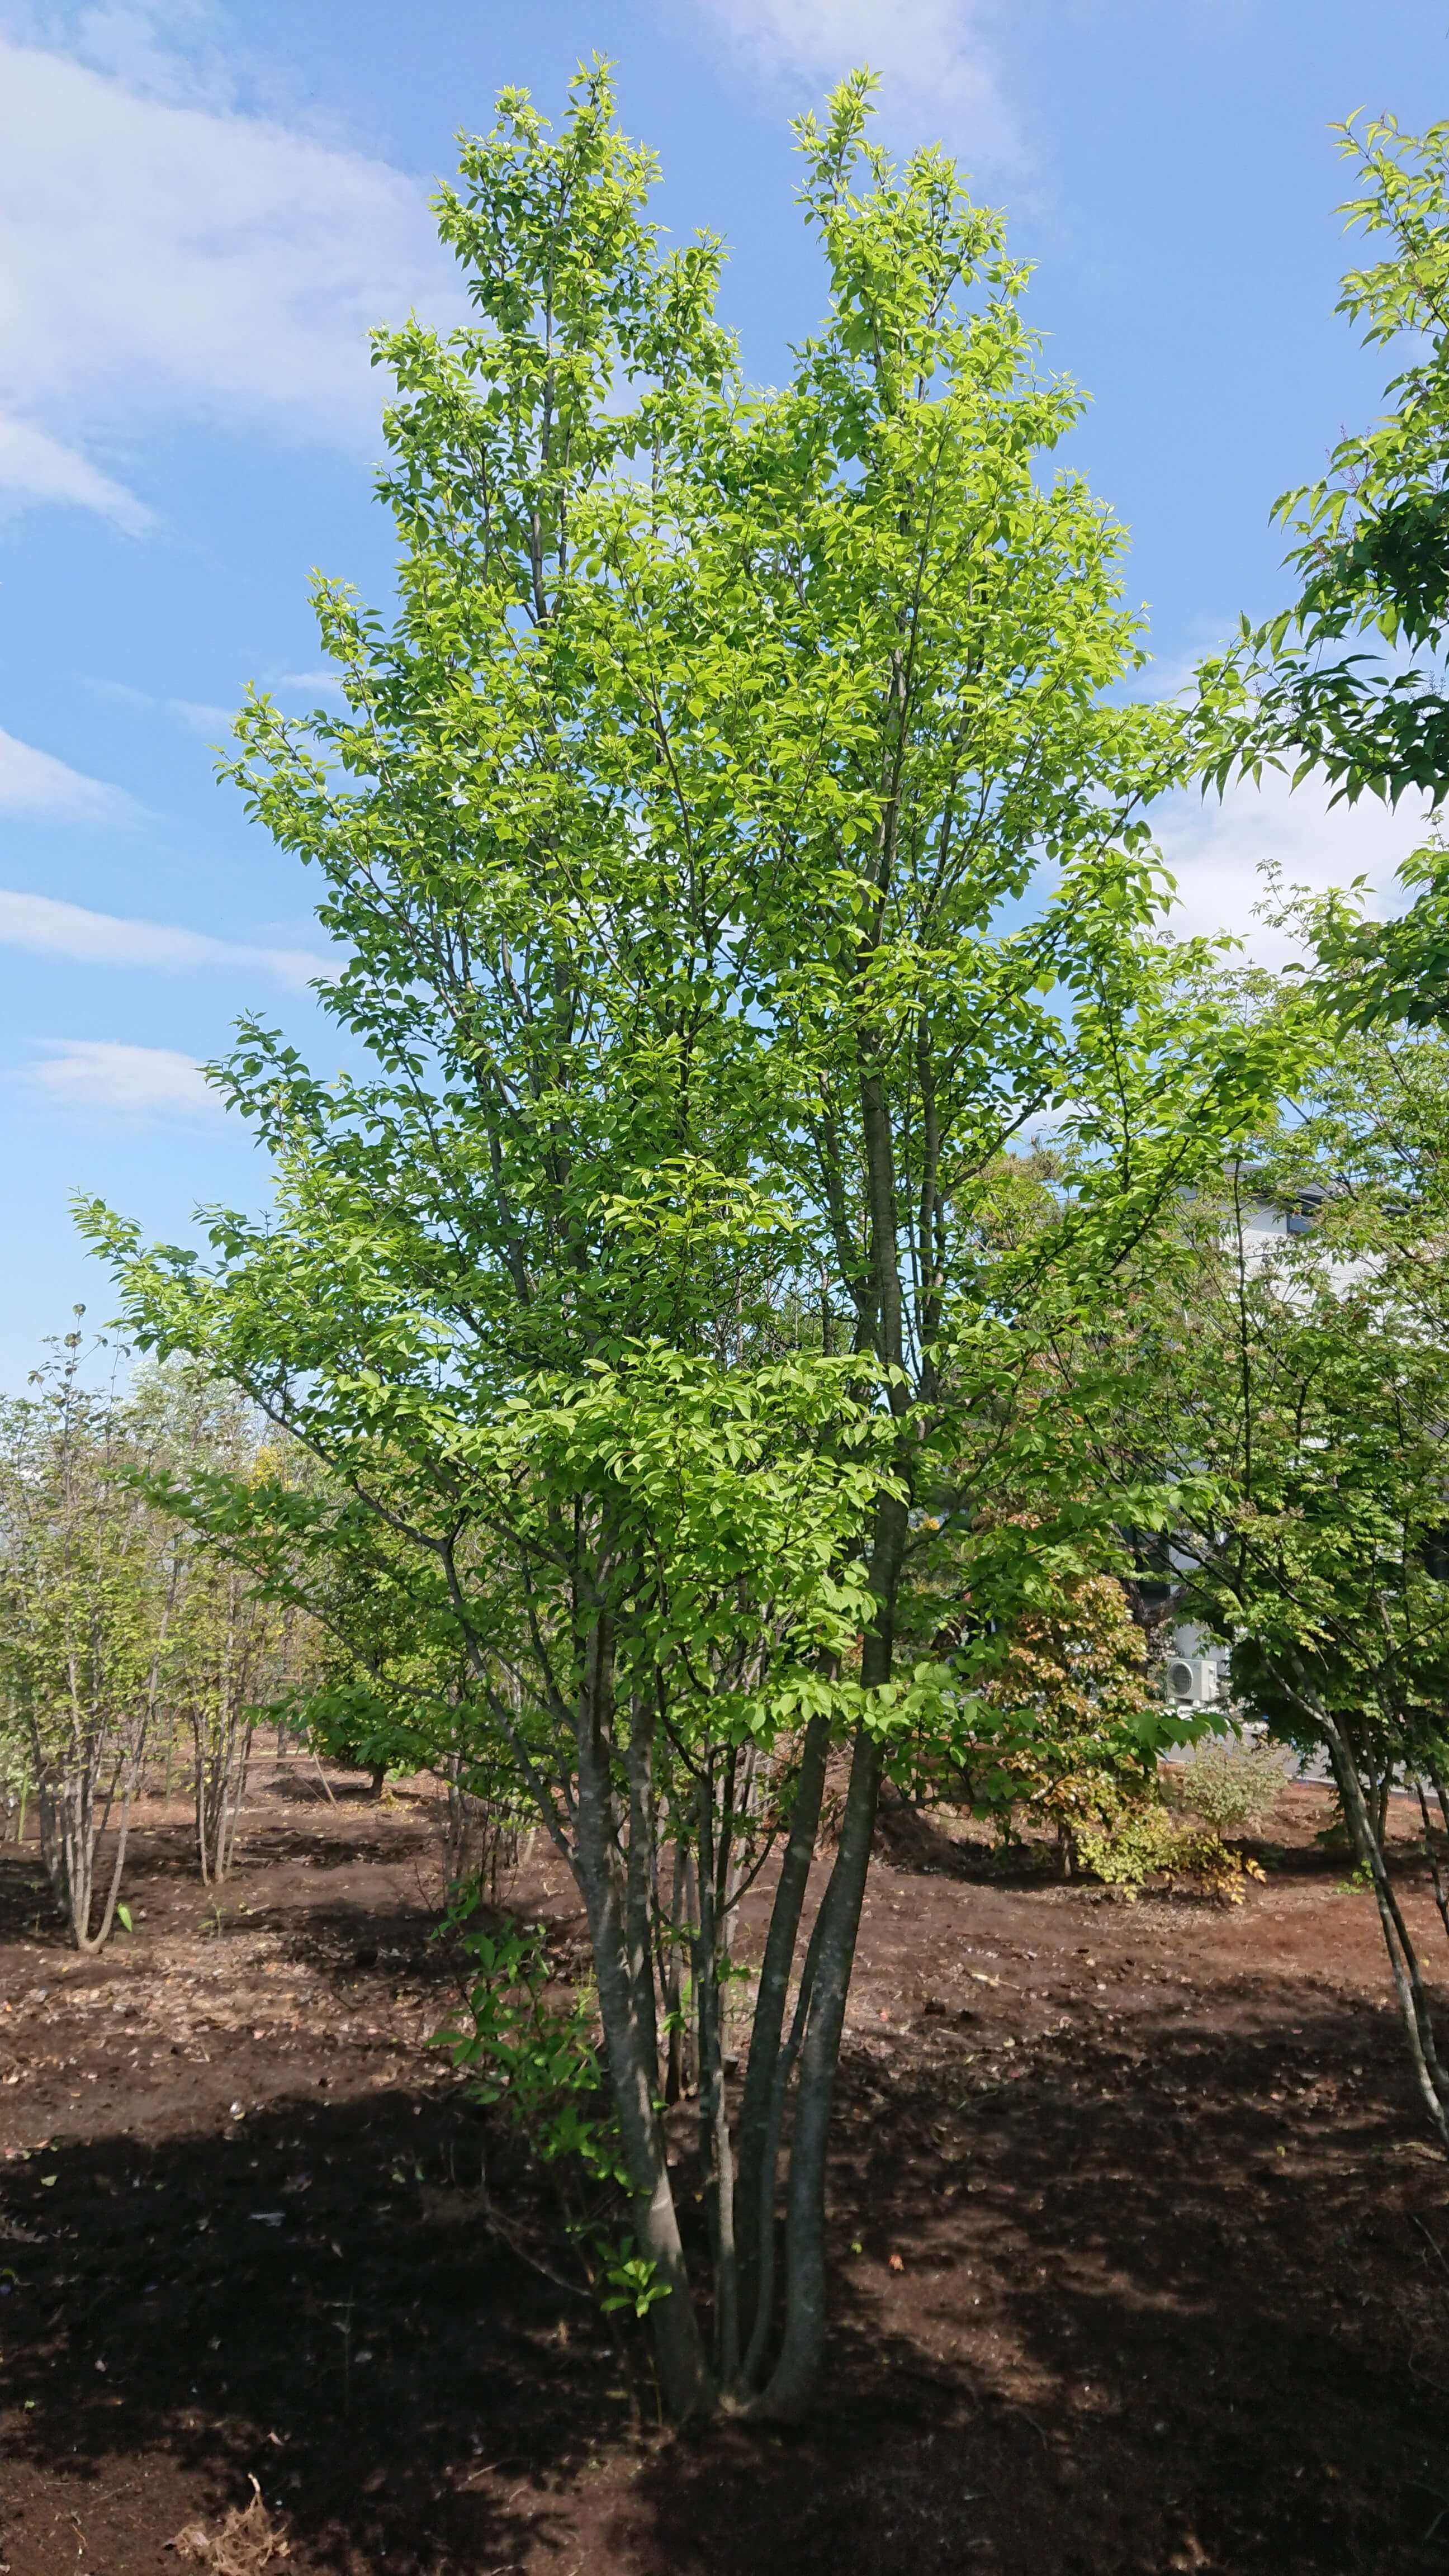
537,2061
1145,1841
1233,1787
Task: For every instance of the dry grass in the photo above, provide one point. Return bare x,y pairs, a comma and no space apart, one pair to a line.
246,2542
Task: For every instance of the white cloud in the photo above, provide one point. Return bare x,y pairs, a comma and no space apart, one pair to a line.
123,1081
166,264
940,80
1217,850
327,684
197,714
36,467
34,782
44,927
215,722
158,47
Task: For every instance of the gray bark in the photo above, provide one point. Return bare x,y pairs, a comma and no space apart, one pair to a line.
756,2185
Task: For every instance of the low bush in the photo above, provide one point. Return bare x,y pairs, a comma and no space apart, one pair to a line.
1234,1787
1144,1841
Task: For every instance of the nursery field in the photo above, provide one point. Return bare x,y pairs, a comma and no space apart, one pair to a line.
1141,2250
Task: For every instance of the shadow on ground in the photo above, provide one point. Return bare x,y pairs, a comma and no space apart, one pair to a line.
1127,2333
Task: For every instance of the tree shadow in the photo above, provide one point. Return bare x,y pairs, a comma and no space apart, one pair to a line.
913,1838
1171,2299
1212,2334
298,2301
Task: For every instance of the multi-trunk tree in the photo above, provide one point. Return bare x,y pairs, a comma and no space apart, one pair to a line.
732,843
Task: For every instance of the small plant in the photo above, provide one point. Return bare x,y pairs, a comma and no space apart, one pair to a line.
537,2061
1129,1847
1212,1866
627,2279
1233,1787
1143,1841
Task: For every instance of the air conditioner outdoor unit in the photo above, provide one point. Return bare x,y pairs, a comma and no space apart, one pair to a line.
1194,1681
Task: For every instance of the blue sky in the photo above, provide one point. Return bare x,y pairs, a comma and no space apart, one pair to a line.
203,207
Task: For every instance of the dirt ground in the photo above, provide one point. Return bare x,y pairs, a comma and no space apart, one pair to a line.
1142,2252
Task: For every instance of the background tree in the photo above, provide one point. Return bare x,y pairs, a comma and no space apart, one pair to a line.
236,1649
1301,1384
88,1584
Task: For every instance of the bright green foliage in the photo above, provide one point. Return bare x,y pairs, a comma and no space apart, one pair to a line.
236,1649
1371,533
732,843
1300,1379
1372,552
539,2061
1310,1402
1143,1841
1062,1722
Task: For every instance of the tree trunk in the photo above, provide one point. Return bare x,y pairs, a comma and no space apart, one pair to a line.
684,2374
756,2184
717,2152
792,2382
1403,1958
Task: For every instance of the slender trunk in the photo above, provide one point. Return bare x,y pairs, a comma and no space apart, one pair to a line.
713,2110
756,2197
51,1855
202,1793
679,2352
769,2163
793,2379
77,1820
671,1981
85,1940
640,1871
238,1773
1403,1959
802,2347
1441,1894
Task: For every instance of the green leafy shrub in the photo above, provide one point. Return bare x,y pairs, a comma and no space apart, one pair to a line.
1129,1848
1144,1841
537,2061
1233,1787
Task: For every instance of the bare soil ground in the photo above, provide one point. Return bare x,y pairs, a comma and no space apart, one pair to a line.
1142,2253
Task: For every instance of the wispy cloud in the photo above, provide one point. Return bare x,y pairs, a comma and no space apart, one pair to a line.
166,49
1217,850
941,76
34,782
36,467
47,928
197,714
322,684
100,1076
215,722
167,259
